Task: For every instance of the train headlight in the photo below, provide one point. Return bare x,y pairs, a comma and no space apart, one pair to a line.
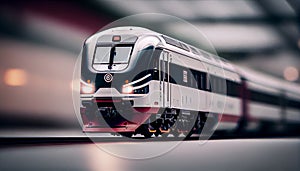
86,88
127,89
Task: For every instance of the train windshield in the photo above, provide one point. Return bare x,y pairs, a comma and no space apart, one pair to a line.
116,54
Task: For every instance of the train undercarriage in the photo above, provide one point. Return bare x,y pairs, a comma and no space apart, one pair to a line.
122,118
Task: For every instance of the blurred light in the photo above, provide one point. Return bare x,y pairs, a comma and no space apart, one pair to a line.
299,43
75,85
127,89
87,88
15,77
291,73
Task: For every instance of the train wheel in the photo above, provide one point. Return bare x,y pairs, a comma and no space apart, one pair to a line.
147,134
145,131
157,133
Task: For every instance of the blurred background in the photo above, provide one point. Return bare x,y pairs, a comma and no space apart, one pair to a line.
41,40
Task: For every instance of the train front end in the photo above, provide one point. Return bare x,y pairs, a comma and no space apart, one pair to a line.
117,70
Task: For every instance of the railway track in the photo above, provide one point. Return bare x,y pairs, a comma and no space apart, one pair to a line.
24,141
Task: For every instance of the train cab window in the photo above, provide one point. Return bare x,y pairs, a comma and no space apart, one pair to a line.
102,55
120,54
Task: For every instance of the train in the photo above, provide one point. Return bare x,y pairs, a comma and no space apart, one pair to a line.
138,81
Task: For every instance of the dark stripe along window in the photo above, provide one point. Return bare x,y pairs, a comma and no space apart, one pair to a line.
262,97
233,88
198,79
292,103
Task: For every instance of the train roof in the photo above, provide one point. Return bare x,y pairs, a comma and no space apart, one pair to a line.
137,31
208,58
292,90
175,45
251,75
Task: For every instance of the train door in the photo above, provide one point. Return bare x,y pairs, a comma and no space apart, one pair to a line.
164,64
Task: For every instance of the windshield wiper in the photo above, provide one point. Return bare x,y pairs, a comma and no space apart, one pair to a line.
111,57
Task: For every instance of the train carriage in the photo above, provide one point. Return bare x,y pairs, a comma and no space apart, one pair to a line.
134,80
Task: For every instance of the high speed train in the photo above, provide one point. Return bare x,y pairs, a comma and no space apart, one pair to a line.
137,81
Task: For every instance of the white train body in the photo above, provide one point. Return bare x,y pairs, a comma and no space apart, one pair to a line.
145,76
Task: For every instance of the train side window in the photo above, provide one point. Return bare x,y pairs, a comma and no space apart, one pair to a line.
208,83
293,103
233,88
176,74
155,63
203,81
218,84
230,88
191,83
264,97
196,80
213,83
222,85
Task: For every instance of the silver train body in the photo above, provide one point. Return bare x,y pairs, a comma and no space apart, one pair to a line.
134,80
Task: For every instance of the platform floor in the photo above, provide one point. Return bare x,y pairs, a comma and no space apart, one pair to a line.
237,154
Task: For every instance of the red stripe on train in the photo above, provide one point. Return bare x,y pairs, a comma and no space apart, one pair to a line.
229,118
152,110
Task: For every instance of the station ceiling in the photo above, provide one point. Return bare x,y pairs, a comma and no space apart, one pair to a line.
263,35
250,33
